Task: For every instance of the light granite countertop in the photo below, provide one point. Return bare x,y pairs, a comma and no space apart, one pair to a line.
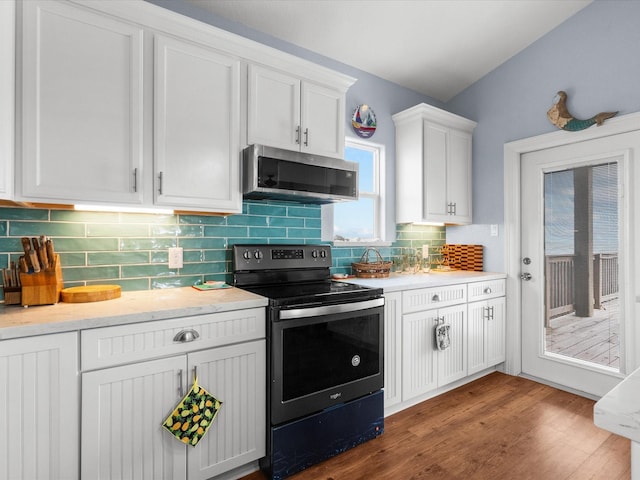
131,307
619,410
401,281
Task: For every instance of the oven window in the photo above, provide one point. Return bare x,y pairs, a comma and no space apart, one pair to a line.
327,354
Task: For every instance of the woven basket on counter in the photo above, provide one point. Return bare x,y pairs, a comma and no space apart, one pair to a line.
366,269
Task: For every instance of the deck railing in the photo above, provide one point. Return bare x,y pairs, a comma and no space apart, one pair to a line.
559,273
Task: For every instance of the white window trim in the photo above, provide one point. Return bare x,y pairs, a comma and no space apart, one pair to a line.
379,182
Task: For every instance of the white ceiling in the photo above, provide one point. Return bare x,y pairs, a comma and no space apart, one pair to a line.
436,47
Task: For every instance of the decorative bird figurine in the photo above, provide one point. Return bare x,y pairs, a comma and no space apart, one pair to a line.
561,118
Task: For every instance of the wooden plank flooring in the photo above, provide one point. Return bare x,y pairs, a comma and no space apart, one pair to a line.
594,339
499,427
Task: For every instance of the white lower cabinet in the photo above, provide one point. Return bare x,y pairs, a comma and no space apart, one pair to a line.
122,412
486,334
415,368
392,348
124,405
39,407
424,366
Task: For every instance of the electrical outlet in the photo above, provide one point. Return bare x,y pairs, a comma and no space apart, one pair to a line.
175,257
494,230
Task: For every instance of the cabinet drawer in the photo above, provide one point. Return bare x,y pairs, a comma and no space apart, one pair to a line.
108,346
486,290
434,297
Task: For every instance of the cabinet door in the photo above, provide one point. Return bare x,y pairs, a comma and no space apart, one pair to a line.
418,353
496,339
392,348
82,105
452,362
486,335
196,129
322,120
235,375
39,431
273,109
435,171
477,337
7,97
123,409
459,176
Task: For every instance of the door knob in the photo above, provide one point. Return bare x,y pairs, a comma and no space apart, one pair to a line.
525,276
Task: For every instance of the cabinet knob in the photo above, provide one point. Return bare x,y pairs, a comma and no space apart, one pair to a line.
487,290
185,336
435,298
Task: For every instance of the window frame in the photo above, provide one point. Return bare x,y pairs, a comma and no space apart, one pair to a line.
378,197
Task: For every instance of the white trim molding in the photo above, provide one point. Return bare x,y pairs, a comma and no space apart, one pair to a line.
512,224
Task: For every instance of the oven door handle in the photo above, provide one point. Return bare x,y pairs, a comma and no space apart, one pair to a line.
330,309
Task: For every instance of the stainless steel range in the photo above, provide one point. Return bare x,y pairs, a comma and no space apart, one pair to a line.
325,354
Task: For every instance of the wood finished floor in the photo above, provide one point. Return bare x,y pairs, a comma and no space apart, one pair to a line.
499,427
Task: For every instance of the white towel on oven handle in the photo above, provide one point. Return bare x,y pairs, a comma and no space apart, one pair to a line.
443,339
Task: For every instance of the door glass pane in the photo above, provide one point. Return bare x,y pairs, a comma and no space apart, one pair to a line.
581,264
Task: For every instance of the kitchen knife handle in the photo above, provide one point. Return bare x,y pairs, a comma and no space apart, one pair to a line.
33,256
51,254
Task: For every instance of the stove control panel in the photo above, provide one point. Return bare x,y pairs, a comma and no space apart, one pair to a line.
263,257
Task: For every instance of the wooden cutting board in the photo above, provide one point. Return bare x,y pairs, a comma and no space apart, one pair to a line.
90,293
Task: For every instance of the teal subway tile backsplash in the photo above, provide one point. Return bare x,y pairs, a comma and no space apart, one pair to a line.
131,249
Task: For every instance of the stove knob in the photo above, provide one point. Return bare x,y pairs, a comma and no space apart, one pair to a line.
323,254
314,253
258,255
246,255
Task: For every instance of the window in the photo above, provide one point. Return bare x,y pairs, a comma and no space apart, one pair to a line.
360,221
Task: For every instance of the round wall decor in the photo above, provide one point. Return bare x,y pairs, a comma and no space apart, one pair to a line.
363,121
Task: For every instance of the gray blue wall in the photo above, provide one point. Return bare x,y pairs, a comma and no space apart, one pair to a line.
594,56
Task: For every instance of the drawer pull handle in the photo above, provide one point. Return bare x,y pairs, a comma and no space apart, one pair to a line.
185,336
435,298
487,290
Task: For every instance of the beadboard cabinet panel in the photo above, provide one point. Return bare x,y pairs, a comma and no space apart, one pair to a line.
392,348
236,375
122,413
39,404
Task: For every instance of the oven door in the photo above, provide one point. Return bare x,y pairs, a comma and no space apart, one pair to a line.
324,356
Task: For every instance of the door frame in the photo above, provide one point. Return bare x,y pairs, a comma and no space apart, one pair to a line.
512,223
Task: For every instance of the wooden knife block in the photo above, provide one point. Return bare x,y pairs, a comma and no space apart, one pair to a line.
42,288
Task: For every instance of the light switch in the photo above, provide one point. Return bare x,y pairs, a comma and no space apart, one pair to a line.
175,257
494,230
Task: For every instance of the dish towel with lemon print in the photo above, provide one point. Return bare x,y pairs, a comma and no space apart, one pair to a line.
193,416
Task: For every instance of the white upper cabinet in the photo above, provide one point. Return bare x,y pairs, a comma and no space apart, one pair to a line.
82,105
433,166
291,113
7,97
197,130
127,104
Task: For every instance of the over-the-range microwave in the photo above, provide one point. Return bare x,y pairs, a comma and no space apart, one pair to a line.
274,173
